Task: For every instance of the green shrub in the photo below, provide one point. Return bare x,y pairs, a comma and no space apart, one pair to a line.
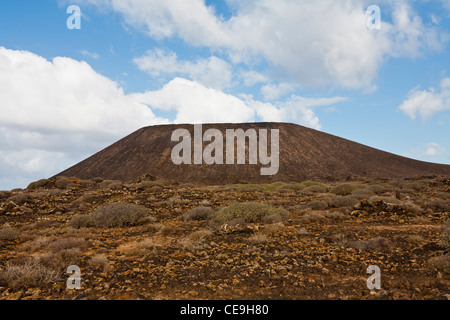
310,183
199,213
316,188
344,189
251,212
274,186
113,215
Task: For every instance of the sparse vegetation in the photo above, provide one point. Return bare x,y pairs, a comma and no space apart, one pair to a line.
110,216
343,189
251,212
199,213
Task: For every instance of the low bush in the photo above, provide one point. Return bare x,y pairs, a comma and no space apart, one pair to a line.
8,233
343,189
318,205
343,201
20,198
37,184
438,205
199,213
63,182
251,212
27,275
110,216
445,237
440,264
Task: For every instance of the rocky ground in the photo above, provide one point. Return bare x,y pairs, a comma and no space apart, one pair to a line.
321,250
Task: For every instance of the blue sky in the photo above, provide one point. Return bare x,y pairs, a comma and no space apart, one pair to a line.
65,94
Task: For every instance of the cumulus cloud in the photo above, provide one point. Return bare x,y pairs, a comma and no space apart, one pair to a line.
296,109
213,72
426,103
195,103
275,91
58,111
321,42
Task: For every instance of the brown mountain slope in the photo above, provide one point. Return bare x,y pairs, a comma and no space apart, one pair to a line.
304,154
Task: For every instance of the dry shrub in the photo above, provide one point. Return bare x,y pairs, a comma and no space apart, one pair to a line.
317,205
68,243
37,184
150,185
63,183
36,244
137,248
440,264
258,238
167,231
343,201
196,240
316,188
42,224
387,200
377,189
199,213
20,198
443,195
100,261
201,235
110,216
275,186
378,243
205,203
420,220
251,212
55,192
343,189
28,275
272,229
314,217
8,233
414,238
445,236
363,193
151,228
59,261
438,205
4,194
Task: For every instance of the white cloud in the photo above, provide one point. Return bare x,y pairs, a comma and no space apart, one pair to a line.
427,103
195,103
252,77
434,149
56,111
91,55
321,42
213,72
275,91
296,109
